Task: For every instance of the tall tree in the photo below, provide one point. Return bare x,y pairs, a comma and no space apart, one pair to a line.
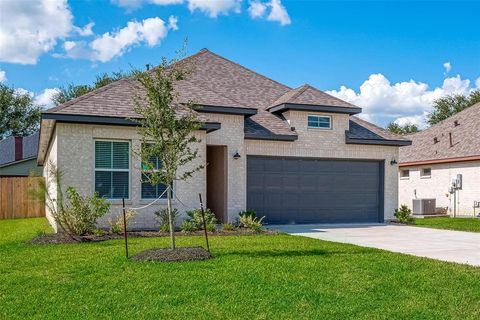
19,115
402,129
166,134
72,91
449,105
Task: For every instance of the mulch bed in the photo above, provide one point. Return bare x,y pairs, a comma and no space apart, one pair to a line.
60,238
176,255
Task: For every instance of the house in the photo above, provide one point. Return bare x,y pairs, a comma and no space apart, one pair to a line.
293,155
18,156
436,157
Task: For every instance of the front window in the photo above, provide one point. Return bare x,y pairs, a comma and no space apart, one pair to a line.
320,122
150,191
426,172
112,169
405,174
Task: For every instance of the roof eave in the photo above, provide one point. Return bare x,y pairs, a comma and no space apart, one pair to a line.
380,142
314,108
226,110
438,161
273,137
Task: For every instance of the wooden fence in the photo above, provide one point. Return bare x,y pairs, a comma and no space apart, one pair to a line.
15,198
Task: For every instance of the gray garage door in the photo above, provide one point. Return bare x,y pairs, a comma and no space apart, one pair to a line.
306,190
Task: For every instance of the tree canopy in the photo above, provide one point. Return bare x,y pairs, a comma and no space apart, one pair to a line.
402,129
19,114
449,105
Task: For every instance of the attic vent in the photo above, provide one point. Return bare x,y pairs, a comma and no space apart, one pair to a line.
455,123
435,140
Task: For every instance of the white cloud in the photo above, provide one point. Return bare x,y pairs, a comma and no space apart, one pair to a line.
150,31
3,75
134,4
45,98
257,9
477,83
447,66
31,28
383,101
85,31
277,13
213,8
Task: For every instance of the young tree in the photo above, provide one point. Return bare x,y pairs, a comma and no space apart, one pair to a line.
19,115
73,91
167,128
402,129
449,105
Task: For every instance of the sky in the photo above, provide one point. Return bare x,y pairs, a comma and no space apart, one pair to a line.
392,58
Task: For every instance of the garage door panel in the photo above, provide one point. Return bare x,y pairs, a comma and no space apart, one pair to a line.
293,190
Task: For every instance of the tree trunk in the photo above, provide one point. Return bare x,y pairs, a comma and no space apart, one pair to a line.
170,217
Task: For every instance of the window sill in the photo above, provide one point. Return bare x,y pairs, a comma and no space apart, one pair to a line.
161,201
119,202
404,178
324,129
425,177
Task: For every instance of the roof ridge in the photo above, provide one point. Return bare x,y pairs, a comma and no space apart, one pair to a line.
302,88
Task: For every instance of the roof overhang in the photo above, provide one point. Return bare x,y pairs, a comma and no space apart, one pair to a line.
226,110
17,162
380,142
314,108
273,137
439,161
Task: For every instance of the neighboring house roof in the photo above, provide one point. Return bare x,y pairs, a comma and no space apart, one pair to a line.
363,132
215,85
454,139
17,149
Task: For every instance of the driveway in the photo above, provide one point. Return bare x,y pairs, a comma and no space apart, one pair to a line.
446,245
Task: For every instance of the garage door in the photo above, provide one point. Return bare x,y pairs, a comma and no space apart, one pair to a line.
306,190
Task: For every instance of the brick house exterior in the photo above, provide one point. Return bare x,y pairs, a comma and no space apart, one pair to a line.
255,119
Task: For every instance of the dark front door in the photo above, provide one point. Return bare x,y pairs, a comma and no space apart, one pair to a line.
309,190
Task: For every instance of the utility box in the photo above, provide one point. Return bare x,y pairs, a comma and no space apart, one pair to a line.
424,206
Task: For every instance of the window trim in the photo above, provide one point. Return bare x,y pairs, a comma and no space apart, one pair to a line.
424,176
129,170
404,177
320,116
161,200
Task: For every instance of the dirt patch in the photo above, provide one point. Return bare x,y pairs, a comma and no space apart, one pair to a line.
175,255
59,238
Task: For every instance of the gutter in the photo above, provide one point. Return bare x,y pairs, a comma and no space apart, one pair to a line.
439,161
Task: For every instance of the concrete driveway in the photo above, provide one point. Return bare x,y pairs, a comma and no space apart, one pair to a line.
446,245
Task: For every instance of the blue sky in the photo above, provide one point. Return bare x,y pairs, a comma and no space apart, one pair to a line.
393,58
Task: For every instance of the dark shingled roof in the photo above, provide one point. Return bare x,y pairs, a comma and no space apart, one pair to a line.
29,148
464,129
215,81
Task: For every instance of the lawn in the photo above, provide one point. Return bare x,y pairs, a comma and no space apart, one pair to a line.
257,277
459,224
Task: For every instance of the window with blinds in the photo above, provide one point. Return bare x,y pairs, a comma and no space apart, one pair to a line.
150,191
112,169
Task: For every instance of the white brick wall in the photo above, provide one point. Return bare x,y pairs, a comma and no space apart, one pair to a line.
438,184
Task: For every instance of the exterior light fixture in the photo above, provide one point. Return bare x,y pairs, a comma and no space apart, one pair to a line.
236,156
393,162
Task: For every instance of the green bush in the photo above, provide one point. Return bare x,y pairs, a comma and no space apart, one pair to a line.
116,224
211,227
228,227
403,214
248,212
195,216
188,226
162,218
252,223
82,213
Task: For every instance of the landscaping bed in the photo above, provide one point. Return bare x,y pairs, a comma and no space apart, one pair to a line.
61,238
169,255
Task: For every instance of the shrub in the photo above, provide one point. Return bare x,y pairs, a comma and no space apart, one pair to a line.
228,227
403,214
81,213
162,218
195,216
188,226
248,212
211,227
116,224
252,223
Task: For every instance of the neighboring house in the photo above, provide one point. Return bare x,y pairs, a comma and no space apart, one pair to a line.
18,156
437,155
293,155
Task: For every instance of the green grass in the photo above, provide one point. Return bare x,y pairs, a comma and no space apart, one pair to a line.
459,224
256,277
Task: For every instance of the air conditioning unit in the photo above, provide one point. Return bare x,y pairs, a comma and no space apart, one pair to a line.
424,206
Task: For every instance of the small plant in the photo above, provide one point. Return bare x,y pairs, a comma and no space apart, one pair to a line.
228,227
40,233
211,227
252,223
248,212
116,224
196,217
403,214
188,226
162,218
